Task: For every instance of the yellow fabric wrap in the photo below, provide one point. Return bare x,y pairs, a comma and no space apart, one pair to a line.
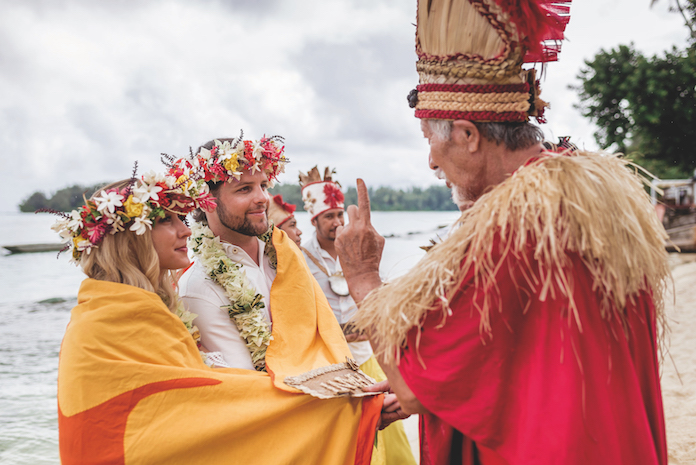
132,387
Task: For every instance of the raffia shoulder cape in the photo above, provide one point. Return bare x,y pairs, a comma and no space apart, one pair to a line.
590,204
132,387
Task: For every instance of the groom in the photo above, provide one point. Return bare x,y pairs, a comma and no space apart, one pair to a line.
264,287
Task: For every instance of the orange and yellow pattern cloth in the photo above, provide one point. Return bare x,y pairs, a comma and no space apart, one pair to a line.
132,387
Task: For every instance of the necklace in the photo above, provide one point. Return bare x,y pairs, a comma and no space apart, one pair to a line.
245,303
337,282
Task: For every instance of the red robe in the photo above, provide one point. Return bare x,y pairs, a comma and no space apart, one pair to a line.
538,390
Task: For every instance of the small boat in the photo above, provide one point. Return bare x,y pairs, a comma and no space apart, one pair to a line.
33,248
674,201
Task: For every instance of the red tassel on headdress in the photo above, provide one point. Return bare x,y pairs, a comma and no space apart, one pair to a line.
288,207
539,21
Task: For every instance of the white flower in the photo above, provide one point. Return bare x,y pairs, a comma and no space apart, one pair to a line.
109,201
116,222
204,153
60,225
140,225
75,222
83,245
153,178
257,150
170,181
225,150
255,167
146,192
62,228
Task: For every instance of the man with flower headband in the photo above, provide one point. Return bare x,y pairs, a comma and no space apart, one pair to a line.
323,200
257,304
531,333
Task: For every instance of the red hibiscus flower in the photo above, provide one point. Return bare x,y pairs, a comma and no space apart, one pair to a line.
334,196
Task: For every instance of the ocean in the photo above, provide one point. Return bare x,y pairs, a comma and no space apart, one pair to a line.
38,290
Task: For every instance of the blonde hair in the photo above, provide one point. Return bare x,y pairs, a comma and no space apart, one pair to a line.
128,258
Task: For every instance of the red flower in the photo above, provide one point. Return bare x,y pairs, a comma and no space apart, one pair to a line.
216,170
334,196
249,152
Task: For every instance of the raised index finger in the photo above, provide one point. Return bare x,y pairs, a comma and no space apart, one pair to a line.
363,201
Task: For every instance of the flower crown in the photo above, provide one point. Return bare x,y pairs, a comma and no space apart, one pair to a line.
134,207
227,159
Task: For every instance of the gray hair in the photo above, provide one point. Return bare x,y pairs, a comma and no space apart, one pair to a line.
514,136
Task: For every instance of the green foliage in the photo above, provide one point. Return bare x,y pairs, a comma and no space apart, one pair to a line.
645,105
434,198
291,194
64,200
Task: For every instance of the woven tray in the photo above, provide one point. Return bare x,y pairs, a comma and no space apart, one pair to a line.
338,380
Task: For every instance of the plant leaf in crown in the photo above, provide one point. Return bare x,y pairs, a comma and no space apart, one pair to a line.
133,179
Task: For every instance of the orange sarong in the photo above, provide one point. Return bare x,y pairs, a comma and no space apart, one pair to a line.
132,387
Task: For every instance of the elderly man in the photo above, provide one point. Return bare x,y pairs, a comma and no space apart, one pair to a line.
530,334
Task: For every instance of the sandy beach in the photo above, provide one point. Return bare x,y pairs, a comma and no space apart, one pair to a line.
679,366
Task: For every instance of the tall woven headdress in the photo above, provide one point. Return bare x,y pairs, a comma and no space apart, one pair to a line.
470,56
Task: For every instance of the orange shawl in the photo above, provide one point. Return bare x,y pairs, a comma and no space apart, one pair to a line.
132,387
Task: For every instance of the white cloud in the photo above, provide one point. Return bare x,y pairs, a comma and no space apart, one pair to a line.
88,87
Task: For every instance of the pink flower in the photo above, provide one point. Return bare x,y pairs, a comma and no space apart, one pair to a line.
96,232
207,203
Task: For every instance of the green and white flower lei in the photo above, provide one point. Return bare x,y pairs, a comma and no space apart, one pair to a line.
246,305
187,318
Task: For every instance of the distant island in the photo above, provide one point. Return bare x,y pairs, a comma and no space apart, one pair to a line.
64,200
433,198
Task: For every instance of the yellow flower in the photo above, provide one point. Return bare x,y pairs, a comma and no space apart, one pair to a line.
184,181
132,208
231,164
75,251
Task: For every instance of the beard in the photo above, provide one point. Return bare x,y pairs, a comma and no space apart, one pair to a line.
462,198
240,224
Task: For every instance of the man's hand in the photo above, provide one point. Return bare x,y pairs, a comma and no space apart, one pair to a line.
359,247
391,409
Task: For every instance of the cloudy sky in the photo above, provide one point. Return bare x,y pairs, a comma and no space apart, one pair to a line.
89,86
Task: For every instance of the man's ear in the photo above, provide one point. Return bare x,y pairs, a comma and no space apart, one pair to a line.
314,222
466,134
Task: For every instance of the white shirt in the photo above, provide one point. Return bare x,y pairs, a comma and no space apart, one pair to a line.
343,307
204,297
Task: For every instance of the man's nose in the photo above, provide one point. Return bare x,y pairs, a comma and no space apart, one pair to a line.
431,163
261,196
